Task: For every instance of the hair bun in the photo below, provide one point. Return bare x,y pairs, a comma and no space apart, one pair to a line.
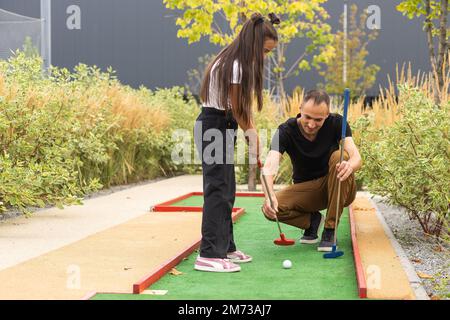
257,18
274,18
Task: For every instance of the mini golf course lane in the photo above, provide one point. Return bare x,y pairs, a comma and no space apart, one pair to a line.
311,276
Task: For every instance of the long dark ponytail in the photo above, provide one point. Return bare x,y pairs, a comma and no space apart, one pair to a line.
247,49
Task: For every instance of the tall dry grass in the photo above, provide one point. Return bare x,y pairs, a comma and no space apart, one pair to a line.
134,112
385,109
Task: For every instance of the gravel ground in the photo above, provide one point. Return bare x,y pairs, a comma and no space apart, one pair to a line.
429,257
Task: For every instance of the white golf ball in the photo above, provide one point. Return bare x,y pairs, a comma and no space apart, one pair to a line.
287,264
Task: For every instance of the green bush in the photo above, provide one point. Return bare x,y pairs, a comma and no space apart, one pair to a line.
68,134
408,162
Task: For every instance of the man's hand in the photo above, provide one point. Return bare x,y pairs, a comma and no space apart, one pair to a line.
268,172
268,210
344,170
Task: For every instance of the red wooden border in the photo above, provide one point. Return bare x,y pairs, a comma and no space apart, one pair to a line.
183,208
167,206
159,208
237,213
187,195
160,271
360,277
249,194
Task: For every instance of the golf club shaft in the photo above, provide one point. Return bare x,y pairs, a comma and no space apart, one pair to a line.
339,193
270,199
342,145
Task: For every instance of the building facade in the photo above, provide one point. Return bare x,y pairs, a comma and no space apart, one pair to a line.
138,39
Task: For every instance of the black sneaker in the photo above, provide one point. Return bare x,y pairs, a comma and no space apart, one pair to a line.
310,234
327,241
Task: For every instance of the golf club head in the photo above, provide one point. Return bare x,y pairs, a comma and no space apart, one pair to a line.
282,241
333,254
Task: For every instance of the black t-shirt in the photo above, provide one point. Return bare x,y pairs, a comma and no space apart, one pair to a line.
309,158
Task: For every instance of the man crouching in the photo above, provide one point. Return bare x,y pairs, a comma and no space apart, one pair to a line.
311,140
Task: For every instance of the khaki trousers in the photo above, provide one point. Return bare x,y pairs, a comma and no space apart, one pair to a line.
296,202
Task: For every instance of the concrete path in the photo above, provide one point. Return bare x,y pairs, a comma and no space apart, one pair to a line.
23,238
108,261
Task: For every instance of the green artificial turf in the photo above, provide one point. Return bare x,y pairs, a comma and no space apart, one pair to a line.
311,276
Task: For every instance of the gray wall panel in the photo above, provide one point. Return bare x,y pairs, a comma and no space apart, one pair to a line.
29,8
138,39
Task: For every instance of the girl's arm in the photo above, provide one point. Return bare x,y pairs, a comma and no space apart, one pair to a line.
249,129
234,98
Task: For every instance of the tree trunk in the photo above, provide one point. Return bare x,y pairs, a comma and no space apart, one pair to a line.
281,91
442,49
252,177
428,30
281,94
281,75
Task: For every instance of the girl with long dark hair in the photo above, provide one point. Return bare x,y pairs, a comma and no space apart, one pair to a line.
232,82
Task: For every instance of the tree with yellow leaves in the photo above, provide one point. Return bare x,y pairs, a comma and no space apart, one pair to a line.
436,28
360,76
221,21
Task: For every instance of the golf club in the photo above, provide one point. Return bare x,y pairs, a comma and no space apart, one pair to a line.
334,253
282,241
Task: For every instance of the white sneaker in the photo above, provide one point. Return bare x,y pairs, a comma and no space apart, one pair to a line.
238,257
215,265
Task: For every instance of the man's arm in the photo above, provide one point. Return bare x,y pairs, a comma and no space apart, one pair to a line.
353,164
269,171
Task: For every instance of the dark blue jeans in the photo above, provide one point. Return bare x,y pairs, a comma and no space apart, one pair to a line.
215,138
